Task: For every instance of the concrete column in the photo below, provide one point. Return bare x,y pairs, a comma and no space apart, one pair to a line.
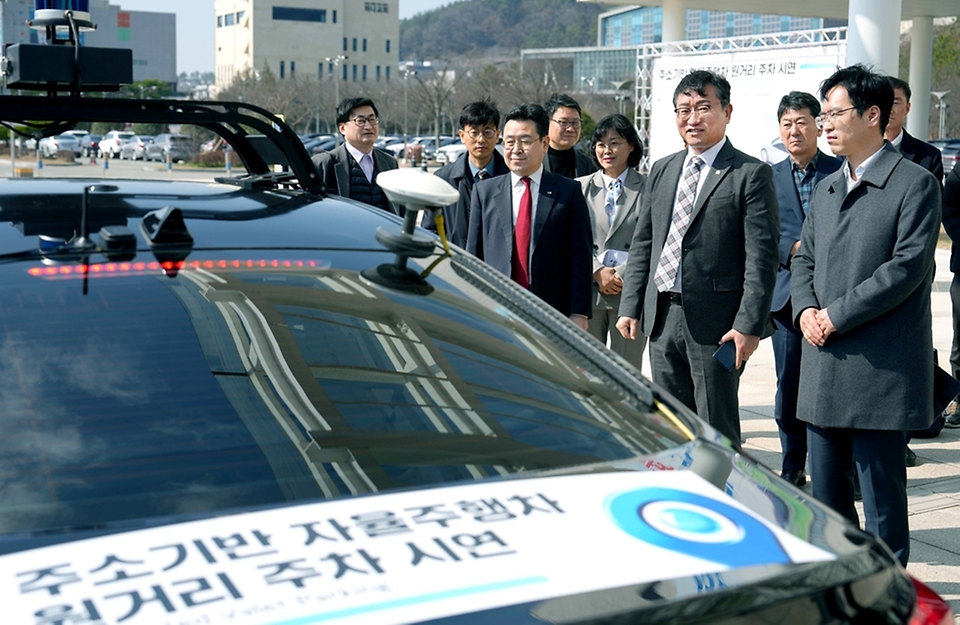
921,65
674,20
873,34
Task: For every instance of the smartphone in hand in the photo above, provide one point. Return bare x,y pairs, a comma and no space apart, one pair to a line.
726,355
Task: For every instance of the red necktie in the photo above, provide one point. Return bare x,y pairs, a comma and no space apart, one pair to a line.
521,238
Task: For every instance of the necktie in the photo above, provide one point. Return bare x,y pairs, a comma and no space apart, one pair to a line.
669,263
483,174
520,268
610,206
366,164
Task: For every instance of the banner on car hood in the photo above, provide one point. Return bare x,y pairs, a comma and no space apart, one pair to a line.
399,557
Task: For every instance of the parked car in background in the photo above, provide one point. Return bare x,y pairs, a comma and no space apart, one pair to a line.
430,147
49,146
90,145
320,143
180,148
135,148
450,153
110,144
773,151
384,140
951,154
397,148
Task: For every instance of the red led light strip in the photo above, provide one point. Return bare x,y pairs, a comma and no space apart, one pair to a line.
152,267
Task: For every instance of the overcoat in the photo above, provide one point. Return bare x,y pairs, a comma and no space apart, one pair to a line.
867,257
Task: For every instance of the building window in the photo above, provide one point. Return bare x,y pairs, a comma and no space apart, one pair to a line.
354,44
334,17
319,71
388,46
344,72
295,14
239,16
281,69
378,73
293,68
330,69
364,73
387,70
228,19
219,21
344,44
364,44
354,73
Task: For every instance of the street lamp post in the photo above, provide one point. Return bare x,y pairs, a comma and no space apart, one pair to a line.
943,112
621,98
336,83
589,81
407,71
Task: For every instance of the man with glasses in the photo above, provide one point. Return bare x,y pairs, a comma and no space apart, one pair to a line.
562,157
794,179
861,296
351,168
532,225
479,131
703,260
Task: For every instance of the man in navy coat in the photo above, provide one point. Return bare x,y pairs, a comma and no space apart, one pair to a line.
533,225
912,149
861,296
794,179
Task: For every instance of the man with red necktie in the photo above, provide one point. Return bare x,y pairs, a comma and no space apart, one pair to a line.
533,225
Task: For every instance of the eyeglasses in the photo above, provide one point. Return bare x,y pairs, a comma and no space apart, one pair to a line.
361,121
832,116
684,113
487,133
613,145
567,123
524,143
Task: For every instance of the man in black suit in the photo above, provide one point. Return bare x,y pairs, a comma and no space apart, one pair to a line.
533,225
479,131
912,149
794,179
562,157
703,261
351,168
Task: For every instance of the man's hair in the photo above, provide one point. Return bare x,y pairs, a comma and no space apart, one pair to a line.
866,88
556,100
797,101
348,105
530,113
902,86
480,113
622,126
697,81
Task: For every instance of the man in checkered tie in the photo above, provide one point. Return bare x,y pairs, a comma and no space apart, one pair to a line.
704,258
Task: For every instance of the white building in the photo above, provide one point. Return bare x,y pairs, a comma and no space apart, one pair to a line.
307,39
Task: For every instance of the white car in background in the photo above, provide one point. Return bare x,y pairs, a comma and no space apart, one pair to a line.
111,142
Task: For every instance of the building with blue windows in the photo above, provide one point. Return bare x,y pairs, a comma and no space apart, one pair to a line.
356,40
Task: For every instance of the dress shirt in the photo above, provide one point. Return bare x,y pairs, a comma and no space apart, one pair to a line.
851,183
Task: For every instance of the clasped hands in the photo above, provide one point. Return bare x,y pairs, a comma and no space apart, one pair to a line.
816,326
608,280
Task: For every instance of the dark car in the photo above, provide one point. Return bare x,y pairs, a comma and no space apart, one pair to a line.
950,152
174,147
246,401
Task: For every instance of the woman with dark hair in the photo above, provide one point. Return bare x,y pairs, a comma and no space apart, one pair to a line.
613,196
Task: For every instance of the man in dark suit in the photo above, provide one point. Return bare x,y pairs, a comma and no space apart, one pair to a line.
912,149
533,225
794,179
479,131
703,261
861,296
951,224
562,157
351,168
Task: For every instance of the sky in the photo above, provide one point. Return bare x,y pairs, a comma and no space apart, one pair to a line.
195,25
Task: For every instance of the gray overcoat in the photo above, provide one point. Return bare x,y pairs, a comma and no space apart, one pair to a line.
868,259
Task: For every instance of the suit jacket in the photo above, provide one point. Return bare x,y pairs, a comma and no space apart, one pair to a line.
867,257
334,169
615,236
951,215
458,174
791,216
729,258
585,164
560,239
923,154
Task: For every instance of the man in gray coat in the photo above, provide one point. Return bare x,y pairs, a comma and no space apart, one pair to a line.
861,296
704,257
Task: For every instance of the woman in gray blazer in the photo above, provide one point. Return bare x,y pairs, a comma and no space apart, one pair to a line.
613,197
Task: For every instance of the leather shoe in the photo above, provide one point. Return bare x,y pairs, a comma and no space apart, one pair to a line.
911,458
797,477
951,416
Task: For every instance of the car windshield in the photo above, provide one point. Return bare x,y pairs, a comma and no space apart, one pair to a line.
179,140
254,379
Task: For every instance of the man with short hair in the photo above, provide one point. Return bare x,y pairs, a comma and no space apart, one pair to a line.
479,131
703,260
912,149
351,168
861,296
562,157
532,225
794,179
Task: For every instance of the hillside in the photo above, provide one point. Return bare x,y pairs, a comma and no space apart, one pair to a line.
497,28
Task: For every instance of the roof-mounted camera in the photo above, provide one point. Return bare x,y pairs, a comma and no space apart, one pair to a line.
62,64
